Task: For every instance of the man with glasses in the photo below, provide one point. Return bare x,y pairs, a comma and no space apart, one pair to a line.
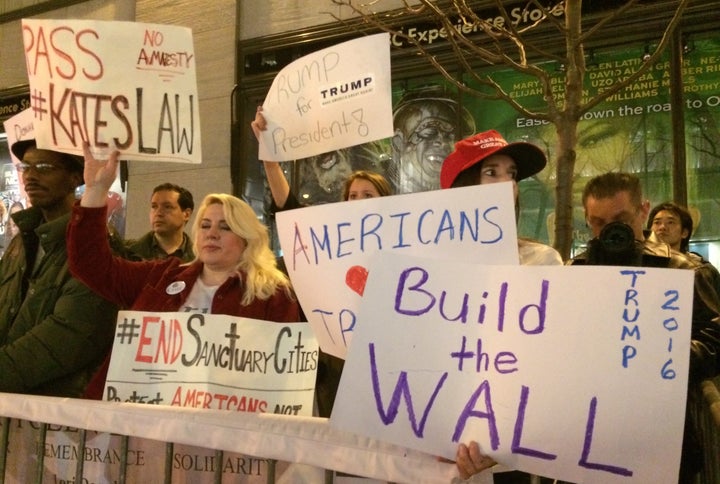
54,331
616,212
170,209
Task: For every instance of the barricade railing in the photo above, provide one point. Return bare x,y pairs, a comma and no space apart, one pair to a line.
274,438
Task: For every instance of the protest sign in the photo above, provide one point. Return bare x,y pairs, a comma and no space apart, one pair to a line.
564,372
123,85
327,247
330,99
213,361
19,127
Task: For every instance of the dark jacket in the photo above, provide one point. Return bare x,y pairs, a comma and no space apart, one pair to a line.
147,248
290,204
54,331
704,339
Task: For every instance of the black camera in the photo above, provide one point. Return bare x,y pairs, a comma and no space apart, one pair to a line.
615,246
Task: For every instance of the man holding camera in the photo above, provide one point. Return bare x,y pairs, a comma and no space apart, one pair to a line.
616,212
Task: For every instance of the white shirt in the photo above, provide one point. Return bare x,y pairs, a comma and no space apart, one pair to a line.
536,254
200,298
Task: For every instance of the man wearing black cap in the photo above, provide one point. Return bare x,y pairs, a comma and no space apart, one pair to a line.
54,331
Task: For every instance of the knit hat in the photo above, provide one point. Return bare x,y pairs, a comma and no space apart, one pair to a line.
472,150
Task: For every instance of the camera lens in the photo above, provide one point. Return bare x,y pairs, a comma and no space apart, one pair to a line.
617,237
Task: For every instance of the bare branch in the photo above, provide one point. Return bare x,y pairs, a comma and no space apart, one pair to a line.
647,63
465,49
608,19
506,45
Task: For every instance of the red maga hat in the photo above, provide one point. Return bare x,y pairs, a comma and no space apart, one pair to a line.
472,150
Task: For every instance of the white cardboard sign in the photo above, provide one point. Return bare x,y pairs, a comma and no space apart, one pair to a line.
213,361
114,84
18,128
327,247
575,373
330,99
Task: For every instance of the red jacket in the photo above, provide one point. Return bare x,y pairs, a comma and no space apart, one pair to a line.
143,285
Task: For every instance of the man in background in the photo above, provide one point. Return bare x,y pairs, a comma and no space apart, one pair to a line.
672,224
170,209
54,331
614,206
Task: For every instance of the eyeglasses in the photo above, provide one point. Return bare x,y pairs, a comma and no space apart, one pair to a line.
41,168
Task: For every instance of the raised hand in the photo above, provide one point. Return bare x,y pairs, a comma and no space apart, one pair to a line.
99,176
259,124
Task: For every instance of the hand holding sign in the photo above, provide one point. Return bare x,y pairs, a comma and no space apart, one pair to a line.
99,177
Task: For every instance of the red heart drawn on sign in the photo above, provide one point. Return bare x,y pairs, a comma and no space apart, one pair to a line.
355,279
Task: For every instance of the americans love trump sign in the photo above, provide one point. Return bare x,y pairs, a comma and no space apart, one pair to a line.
327,248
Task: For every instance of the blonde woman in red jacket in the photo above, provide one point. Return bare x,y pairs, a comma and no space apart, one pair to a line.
234,271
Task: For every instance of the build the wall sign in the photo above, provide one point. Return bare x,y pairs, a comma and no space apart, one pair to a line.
564,372
123,85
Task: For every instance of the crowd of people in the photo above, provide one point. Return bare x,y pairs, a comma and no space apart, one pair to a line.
64,275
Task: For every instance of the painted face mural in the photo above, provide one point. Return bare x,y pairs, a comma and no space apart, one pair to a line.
428,121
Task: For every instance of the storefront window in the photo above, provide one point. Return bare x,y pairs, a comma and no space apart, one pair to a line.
631,131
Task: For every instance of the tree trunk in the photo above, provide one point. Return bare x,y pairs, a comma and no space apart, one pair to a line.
567,137
566,121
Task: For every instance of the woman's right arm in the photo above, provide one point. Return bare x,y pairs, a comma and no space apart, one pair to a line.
89,255
279,186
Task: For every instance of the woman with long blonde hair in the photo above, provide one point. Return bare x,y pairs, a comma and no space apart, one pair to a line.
234,271
257,261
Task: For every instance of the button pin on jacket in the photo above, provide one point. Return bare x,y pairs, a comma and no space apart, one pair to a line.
175,288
